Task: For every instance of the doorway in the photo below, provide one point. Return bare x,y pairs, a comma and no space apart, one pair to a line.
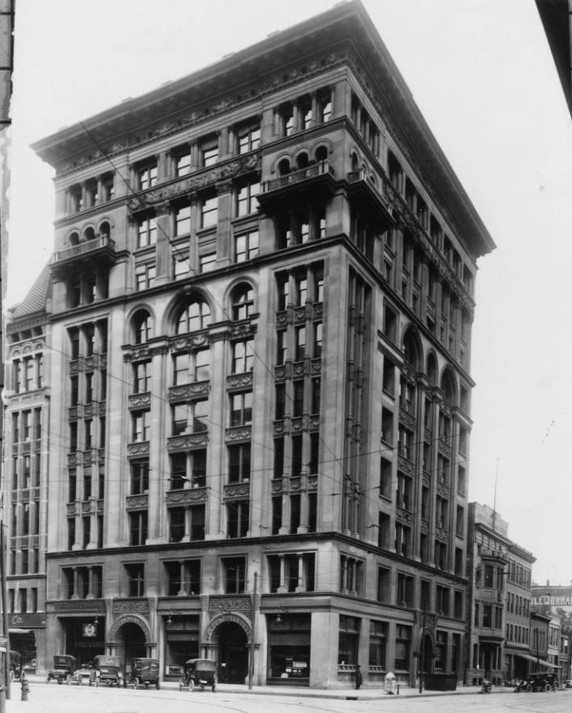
232,652
130,645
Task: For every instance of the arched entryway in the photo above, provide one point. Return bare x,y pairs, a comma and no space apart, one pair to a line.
232,644
131,644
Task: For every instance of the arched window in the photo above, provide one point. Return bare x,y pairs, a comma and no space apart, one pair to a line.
242,302
73,238
89,233
283,167
142,327
449,387
321,154
195,315
355,162
105,229
302,160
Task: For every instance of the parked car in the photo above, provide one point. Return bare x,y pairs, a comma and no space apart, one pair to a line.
65,669
106,671
144,672
541,682
198,674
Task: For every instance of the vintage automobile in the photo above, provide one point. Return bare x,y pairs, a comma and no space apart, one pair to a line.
106,670
199,673
65,670
541,682
144,672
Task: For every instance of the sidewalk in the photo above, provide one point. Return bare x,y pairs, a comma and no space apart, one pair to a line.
37,683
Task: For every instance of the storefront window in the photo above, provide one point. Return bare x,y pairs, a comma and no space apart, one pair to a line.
377,643
181,642
348,640
402,646
289,648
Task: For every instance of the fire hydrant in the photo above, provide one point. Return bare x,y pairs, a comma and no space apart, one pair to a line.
25,687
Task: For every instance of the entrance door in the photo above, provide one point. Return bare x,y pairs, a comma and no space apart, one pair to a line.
130,645
232,653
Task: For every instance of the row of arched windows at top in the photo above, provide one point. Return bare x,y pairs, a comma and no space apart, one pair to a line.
195,314
413,356
302,160
89,233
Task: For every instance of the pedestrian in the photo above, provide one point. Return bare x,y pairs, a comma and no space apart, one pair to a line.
359,677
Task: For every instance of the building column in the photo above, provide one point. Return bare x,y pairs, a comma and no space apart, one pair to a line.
281,586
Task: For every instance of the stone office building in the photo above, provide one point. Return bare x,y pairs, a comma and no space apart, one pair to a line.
262,297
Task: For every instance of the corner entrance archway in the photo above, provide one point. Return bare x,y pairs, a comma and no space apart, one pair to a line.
130,644
232,643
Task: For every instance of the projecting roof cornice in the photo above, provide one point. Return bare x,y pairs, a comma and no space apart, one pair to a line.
344,35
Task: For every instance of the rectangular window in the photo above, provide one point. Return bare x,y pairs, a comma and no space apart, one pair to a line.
138,527
135,579
242,356
141,377
241,408
377,643
147,176
246,246
300,343
207,261
146,232
176,524
234,574
144,276
140,425
209,152
239,463
182,220
402,647
348,643
182,162
237,513
247,199
248,138
209,211
139,477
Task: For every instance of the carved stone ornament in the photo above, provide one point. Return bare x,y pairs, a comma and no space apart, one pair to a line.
238,433
138,449
186,392
239,381
187,441
229,603
139,400
128,606
188,495
237,490
137,502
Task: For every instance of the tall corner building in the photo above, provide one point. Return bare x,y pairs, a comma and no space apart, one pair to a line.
262,297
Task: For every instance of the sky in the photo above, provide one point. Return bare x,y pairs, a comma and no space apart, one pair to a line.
482,74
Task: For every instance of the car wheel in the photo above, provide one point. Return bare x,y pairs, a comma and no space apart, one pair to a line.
136,682
191,685
158,684
529,688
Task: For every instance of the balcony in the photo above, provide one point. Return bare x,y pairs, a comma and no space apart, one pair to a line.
100,250
371,199
317,179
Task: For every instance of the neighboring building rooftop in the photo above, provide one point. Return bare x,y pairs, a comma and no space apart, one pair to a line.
37,298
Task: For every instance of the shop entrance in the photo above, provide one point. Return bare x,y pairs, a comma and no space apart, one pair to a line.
130,644
427,655
232,652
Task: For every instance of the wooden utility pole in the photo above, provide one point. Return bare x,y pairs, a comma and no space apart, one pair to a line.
253,634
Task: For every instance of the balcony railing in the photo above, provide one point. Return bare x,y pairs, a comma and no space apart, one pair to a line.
102,242
303,174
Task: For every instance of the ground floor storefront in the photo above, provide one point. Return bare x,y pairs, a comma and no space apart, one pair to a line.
269,640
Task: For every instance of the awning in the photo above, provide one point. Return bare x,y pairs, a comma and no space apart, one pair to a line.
539,662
